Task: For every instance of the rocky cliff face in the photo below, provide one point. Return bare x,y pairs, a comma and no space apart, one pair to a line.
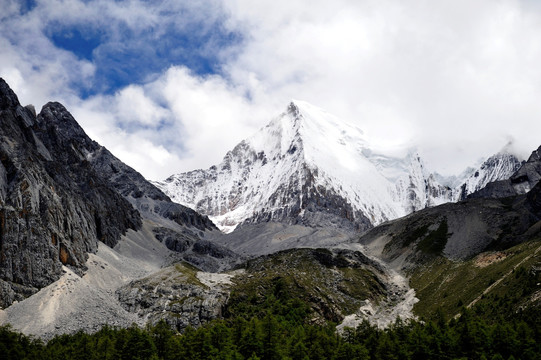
151,202
496,168
67,142
54,207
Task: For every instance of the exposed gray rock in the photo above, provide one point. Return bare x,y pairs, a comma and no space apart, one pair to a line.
529,173
66,141
53,206
269,237
496,189
144,196
61,192
176,295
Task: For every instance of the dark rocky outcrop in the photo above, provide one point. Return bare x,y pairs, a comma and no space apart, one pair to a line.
144,196
59,131
203,254
529,173
61,192
54,207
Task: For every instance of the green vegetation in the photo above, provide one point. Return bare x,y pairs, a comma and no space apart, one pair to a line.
182,272
414,235
190,273
431,242
275,314
449,285
329,286
283,337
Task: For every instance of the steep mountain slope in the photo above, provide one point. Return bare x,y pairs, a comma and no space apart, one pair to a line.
458,231
53,207
502,283
174,224
500,166
180,228
60,131
307,167
61,193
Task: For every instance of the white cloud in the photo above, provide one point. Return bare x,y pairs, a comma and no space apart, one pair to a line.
459,78
133,106
180,121
445,75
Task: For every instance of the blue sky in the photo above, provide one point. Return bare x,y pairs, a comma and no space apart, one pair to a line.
172,85
125,55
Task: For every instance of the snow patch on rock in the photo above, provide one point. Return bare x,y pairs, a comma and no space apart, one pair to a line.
213,280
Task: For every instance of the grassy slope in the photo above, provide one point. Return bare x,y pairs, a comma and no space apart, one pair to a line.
450,285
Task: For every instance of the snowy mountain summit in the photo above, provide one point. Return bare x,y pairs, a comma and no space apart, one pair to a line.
309,167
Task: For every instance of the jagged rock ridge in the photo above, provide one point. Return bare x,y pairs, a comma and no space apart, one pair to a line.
62,131
495,168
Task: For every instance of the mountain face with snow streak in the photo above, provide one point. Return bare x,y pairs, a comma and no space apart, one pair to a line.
308,167
497,167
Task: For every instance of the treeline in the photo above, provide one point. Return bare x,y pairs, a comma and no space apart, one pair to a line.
275,337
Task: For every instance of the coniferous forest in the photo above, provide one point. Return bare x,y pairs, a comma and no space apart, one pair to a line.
283,331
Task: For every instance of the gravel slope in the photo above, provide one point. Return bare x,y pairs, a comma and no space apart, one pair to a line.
89,302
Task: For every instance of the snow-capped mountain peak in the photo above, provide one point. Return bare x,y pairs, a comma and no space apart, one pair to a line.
309,167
